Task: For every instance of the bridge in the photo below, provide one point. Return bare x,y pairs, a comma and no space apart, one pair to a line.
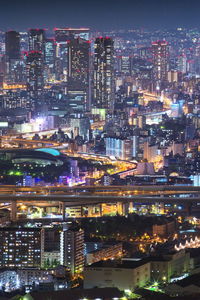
63,197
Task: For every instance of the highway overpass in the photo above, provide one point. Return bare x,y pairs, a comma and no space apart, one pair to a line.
89,196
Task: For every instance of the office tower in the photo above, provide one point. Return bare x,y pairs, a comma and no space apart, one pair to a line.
78,75
64,34
62,37
160,60
35,80
49,54
124,64
20,247
15,99
49,59
182,63
81,125
72,249
14,66
36,40
12,44
121,148
103,73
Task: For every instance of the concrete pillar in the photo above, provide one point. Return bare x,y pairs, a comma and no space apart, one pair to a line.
125,209
13,215
188,207
100,209
131,207
63,211
60,208
90,211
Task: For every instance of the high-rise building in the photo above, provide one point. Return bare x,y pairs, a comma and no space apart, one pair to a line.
103,73
78,71
160,60
182,63
20,247
72,249
64,34
36,40
49,59
121,148
49,54
14,65
12,44
124,64
35,80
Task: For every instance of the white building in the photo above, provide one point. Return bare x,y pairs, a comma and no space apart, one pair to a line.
126,275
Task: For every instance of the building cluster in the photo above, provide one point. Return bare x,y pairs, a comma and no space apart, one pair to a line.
112,119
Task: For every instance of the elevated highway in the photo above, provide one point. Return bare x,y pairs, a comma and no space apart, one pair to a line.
94,195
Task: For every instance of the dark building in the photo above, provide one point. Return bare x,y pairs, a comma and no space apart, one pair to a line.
14,65
12,44
78,74
35,79
103,73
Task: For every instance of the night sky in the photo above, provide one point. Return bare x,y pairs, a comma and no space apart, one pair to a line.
99,15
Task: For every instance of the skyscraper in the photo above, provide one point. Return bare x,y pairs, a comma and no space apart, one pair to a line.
103,73
35,80
49,54
12,44
49,59
72,249
64,34
36,40
14,65
160,60
78,71
62,37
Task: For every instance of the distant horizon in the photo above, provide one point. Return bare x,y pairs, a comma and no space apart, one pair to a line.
99,15
93,29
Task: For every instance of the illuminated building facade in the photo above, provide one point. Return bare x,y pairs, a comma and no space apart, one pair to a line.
78,80
72,249
20,247
124,64
103,73
64,34
35,80
124,275
62,37
36,40
49,54
160,60
121,148
49,59
15,99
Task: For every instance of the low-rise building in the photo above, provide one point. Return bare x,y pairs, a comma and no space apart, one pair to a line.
109,251
124,275
168,266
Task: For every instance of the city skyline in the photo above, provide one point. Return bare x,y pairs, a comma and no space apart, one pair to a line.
100,150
